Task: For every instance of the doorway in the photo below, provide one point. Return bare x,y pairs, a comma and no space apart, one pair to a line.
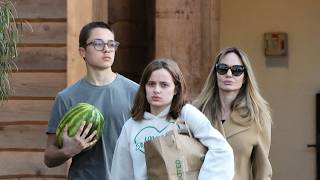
133,23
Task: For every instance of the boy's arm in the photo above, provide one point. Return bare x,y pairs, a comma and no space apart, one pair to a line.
54,156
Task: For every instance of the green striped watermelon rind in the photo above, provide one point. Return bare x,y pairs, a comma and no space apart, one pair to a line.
74,117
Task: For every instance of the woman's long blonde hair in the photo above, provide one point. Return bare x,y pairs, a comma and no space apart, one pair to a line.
249,102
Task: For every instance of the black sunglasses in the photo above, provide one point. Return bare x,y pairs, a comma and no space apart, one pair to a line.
236,70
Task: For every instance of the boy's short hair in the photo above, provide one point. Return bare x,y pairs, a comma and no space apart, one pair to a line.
86,30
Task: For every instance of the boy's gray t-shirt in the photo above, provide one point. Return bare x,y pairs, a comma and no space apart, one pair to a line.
115,102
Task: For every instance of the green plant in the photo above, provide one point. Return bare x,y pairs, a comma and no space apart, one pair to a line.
75,116
9,36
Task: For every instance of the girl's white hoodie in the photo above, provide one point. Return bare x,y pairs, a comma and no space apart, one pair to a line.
129,159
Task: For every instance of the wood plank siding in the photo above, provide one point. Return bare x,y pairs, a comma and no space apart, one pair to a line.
43,85
48,61
27,164
25,111
188,32
40,74
41,59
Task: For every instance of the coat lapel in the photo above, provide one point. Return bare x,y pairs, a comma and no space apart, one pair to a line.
231,127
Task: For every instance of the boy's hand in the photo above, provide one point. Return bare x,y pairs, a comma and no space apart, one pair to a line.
81,141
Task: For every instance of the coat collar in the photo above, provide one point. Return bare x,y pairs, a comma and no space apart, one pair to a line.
231,126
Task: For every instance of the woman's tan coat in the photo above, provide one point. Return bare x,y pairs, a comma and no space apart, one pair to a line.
250,146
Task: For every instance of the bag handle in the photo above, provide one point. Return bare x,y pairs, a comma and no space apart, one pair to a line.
175,130
181,121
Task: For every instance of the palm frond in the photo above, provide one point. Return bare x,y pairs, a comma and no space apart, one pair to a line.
9,36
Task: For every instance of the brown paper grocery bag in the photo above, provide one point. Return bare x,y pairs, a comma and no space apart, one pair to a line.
174,156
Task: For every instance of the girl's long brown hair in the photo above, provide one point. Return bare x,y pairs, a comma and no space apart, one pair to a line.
141,104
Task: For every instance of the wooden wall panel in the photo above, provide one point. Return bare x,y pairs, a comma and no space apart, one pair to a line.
187,32
34,9
41,59
25,111
79,13
41,74
37,84
23,137
45,33
100,10
27,163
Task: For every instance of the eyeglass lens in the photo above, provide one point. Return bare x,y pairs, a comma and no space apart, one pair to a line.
236,70
100,45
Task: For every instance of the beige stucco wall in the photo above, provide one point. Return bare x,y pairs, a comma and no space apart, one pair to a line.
289,84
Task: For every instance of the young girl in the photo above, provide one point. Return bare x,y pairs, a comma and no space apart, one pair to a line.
161,98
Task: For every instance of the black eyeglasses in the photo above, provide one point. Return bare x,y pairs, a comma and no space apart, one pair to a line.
236,70
100,45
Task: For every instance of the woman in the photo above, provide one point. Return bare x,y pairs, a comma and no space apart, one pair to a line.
161,99
230,98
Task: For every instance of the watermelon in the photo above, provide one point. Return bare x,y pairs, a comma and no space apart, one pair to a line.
74,117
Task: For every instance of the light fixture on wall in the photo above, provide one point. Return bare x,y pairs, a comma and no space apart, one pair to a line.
275,44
